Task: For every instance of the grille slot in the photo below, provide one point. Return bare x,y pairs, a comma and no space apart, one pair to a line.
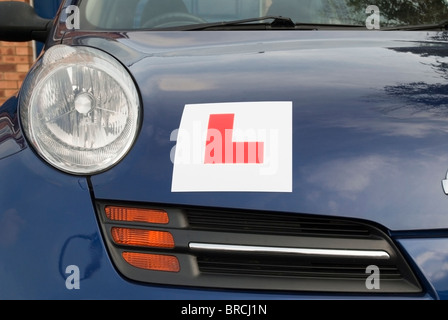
263,266
251,250
271,223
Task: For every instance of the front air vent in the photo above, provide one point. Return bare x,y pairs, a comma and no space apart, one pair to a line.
273,223
251,250
293,268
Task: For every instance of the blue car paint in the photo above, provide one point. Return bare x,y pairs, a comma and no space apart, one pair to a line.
430,256
11,138
353,105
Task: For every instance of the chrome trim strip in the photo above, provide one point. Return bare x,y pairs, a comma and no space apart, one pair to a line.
299,251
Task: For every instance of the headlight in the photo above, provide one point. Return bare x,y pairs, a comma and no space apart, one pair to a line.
80,109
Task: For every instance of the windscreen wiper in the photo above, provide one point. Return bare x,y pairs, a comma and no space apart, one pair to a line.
279,22
443,25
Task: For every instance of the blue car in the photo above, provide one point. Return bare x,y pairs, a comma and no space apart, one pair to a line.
227,150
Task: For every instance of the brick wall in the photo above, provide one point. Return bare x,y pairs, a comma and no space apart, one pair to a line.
16,59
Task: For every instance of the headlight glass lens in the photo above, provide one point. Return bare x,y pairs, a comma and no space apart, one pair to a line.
80,109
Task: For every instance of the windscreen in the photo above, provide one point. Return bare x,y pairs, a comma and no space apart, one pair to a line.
153,14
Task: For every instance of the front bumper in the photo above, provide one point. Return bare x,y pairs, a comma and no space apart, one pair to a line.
48,223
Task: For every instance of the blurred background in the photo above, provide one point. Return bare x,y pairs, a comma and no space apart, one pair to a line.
16,58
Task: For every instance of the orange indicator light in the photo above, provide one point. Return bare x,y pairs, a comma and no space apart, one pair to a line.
155,262
143,238
136,215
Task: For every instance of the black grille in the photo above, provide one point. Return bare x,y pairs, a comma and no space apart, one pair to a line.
214,248
290,269
273,223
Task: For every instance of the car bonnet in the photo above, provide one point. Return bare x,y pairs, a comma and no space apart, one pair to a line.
351,124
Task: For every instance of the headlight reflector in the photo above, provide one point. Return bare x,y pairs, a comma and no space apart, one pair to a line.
80,109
